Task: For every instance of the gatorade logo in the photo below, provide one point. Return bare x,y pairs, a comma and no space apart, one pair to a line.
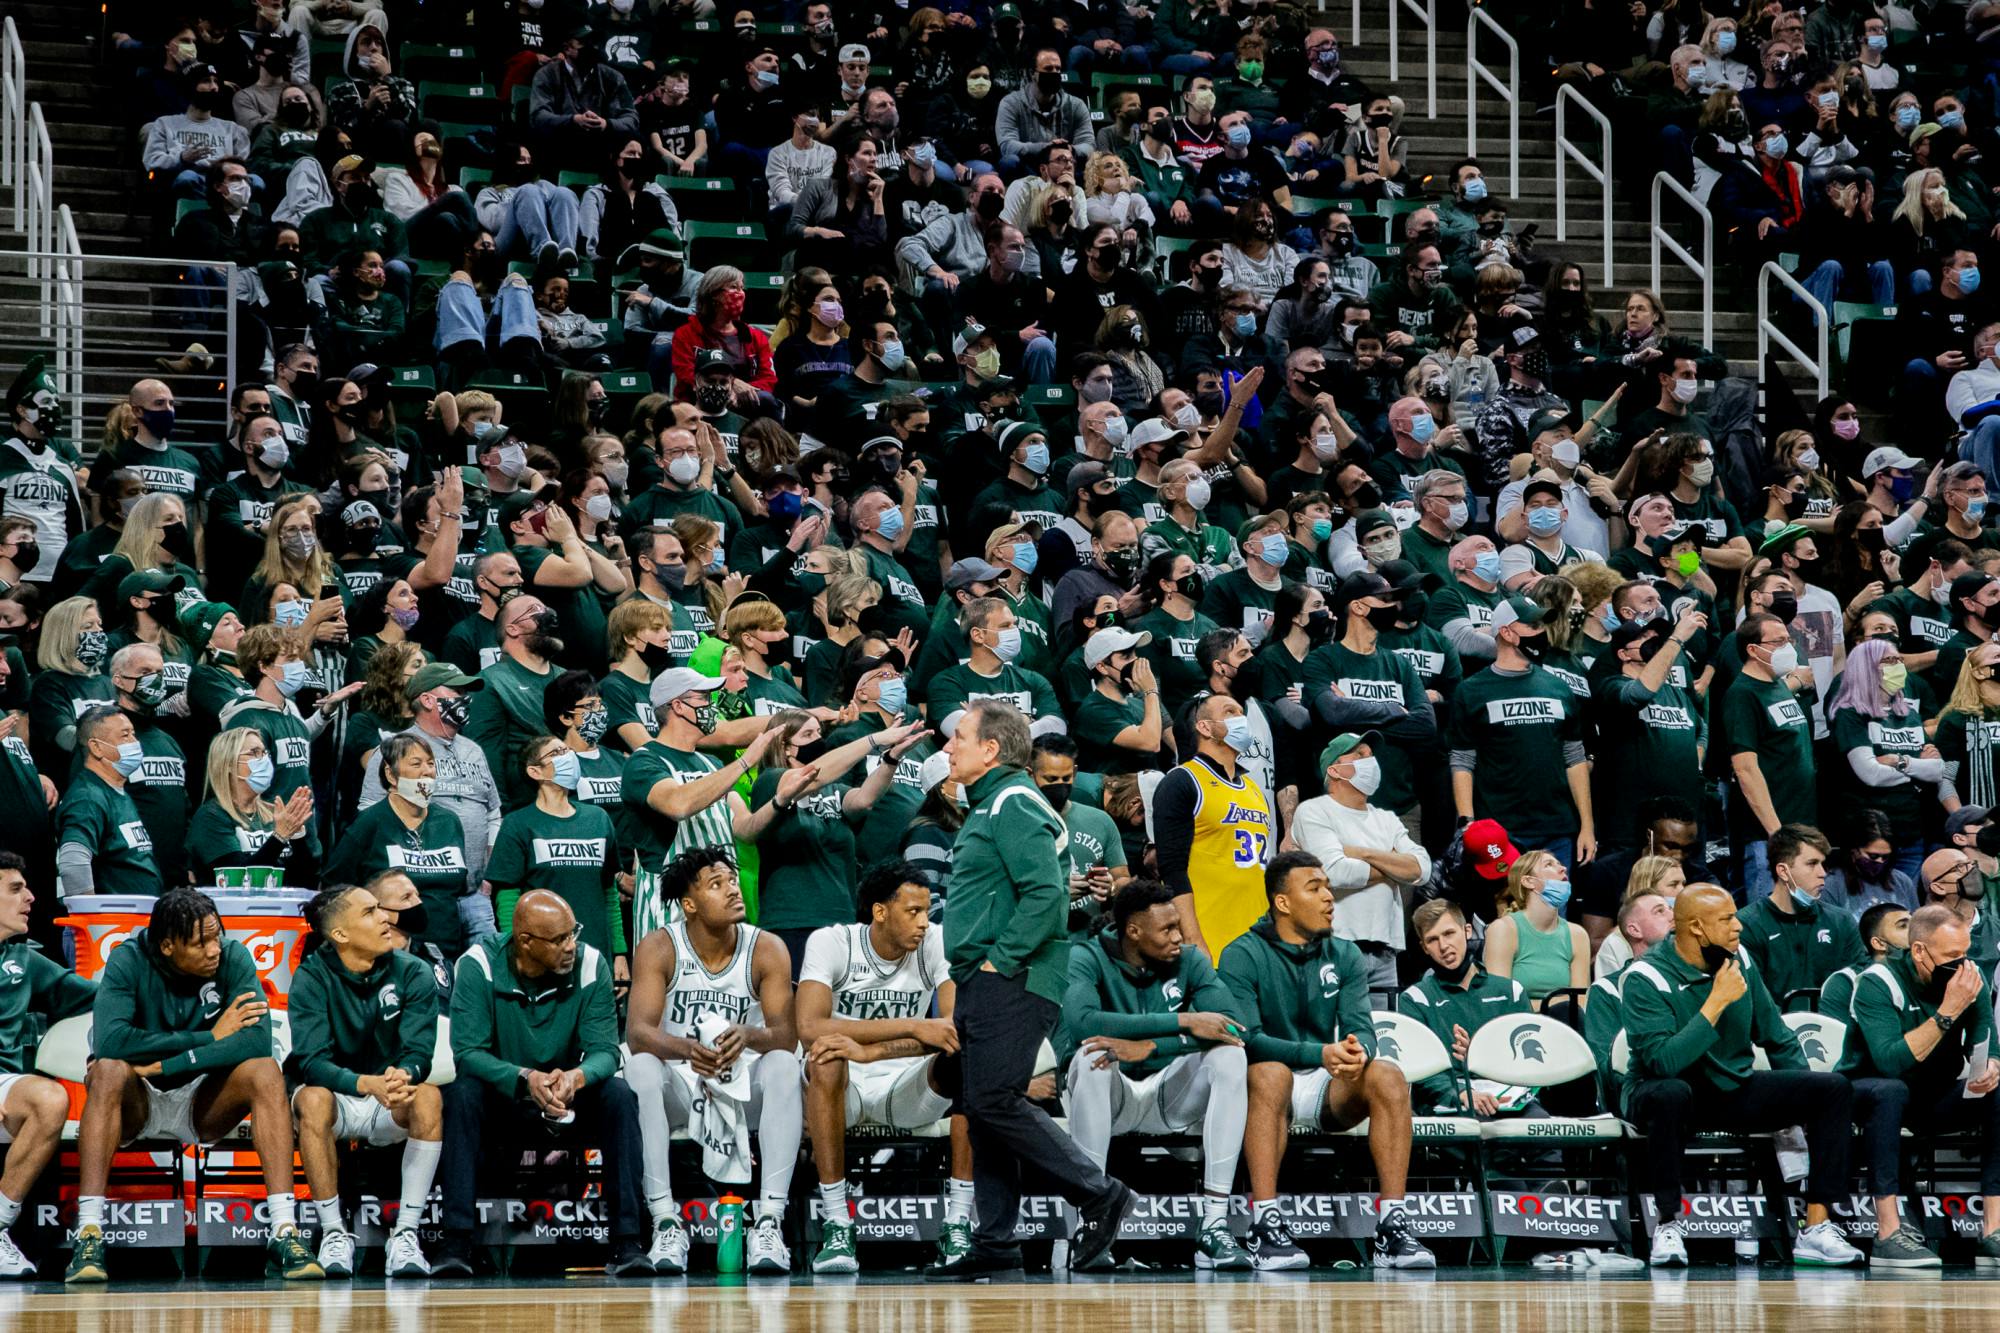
266,951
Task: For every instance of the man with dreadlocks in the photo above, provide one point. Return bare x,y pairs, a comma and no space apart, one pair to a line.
181,1051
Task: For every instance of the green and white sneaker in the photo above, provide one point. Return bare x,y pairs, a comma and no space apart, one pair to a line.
1216,1248
1988,1253
954,1242
1823,1246
836,1247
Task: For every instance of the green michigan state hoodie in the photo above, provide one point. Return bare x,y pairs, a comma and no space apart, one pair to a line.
1800,949
502,1024
1108,997
349,1024
1298,997
1670,1038
1440,1007
148,1010
34,985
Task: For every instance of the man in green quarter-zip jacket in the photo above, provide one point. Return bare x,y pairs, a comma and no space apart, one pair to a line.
1154,1045
1695,1010
1454,1000
534,1032
1312,1059
1006,939
181,1051
1796,940
364,1031
32,986
1918,1015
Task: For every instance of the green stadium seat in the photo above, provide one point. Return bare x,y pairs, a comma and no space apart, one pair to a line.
455,101
424,60
711,197
186,206
471,178
1102,86
412,379
577,180
762,292
742,244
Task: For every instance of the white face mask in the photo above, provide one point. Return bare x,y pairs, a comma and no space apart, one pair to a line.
1187,417
1367,775
238,193
1198,492
684,469
1785,660
1114,431
274,453
1326,447
1456,517
512,460
1567,453
598,507
1702,472
1684,391
417,791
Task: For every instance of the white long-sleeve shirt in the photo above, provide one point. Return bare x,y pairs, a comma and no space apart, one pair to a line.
1367,906
1969,388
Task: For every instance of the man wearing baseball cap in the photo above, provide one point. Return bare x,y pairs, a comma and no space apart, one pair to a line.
1355,683
1517,743
1501,429
1891,475
1370,858
1152,443
679,796
440,697
1118,725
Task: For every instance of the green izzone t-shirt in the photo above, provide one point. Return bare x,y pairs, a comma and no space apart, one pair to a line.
806,863
575,857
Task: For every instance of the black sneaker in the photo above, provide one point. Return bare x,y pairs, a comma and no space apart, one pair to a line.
974,1265
628,1259
1097,1227
453,1257
1395,1247
1271,1246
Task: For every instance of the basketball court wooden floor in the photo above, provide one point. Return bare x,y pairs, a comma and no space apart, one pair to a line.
1450,1301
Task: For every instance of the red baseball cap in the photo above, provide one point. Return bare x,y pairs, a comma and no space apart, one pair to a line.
1488,848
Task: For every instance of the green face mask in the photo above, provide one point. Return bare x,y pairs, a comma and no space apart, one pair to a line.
1251,70
1687,562
810,583
1894,676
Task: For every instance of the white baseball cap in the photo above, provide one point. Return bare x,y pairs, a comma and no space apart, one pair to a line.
671,685
1105,642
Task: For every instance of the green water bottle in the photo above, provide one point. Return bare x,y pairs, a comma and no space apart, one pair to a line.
729,1234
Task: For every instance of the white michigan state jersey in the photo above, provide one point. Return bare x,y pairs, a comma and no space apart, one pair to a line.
694,990
867,986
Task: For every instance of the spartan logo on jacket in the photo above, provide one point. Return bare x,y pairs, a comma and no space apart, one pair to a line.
389,1002
1170,991
1329,980
211,999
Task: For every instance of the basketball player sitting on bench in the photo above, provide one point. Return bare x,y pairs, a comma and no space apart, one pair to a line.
864,1006
32,1108
1312,1059
364,1030
182,1052
712,965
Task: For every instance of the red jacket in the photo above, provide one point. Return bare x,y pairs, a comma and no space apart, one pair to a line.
751,351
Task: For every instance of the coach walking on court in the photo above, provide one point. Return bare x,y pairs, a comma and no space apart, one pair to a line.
1007,942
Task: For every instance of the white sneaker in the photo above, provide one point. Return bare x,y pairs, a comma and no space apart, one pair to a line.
768,1253
1669,1246
669,1252
336,1254
12,1262
406,1254
1824,1246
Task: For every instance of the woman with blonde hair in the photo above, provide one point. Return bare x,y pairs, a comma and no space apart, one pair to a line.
641,634
1925,228
1726,67
1594,582
71,661
1112,199
292,554
155,537
1664,876
237,826
1796,449
1531,942
1136,378
1967,729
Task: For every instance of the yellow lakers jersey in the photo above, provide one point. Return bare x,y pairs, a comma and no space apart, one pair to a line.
1232,842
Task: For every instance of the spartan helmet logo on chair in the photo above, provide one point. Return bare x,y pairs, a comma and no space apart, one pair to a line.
1386,1047
1813,1044
1526,1043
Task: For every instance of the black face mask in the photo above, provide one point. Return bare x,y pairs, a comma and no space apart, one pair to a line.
1385,617
1713,956
1941,976
1452,976
1049,81
989,205
413,920
1319,626
1785,607
1057,795
543,642
1368,496
1190,586
1121,564
455,713
1415,607
657,657
1341,244
1532,648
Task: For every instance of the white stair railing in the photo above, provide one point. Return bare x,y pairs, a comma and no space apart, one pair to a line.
1567,152
1768,332
1508,92
1427,14
27,167
1703,268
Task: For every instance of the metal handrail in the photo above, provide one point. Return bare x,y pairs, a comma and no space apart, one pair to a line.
1567,152
1704,268
13,117
1427,11
1768,332
1509,92
66,313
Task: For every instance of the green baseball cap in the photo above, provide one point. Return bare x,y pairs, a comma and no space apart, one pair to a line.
1347,741
432,675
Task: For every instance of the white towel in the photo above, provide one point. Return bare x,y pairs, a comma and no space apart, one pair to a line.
722,1122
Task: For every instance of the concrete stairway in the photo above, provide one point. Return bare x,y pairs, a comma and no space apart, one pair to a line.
95,156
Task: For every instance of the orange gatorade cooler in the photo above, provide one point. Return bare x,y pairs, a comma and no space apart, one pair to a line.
266,921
